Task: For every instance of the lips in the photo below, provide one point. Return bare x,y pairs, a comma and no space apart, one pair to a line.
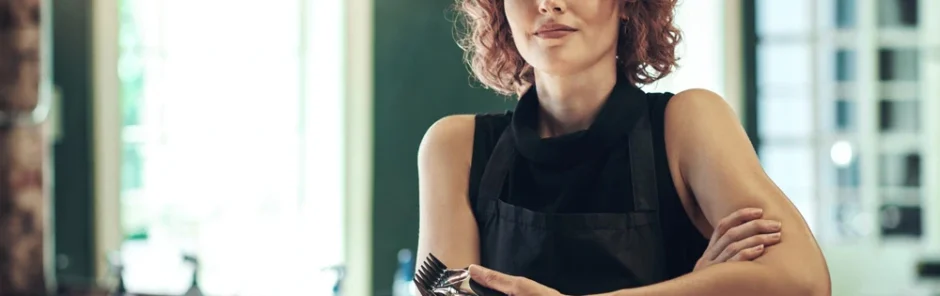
554,30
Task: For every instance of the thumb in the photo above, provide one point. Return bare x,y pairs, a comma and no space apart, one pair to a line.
492,279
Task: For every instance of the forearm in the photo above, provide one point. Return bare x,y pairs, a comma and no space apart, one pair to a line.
729,279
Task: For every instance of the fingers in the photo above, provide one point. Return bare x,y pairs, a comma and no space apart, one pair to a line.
733,220
748,248
737,218
748,254
745,231
492,279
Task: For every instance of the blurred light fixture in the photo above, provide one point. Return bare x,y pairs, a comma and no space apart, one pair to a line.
842,153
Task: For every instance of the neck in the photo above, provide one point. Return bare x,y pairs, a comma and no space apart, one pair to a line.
569,103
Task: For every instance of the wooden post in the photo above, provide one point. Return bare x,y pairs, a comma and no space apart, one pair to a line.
24,202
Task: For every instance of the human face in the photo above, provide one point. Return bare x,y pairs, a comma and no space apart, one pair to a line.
563,37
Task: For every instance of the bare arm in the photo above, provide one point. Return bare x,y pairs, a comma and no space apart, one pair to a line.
721,174
447,227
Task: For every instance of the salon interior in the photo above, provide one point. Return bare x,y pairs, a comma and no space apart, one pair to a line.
237,147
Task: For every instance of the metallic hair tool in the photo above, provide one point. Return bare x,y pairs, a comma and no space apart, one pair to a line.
434,279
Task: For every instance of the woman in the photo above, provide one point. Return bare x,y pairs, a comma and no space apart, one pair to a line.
591,186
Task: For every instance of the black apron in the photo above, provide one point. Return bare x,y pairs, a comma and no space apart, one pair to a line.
575,254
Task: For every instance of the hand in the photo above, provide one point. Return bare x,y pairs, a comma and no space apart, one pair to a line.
741,236
510,285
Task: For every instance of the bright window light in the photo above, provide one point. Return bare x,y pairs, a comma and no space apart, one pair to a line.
232,145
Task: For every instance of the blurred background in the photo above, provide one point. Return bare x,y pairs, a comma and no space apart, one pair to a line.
269,147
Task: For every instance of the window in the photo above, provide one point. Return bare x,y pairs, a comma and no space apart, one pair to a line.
839,116
232,145
785,108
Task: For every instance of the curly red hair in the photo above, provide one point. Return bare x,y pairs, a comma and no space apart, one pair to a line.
646,49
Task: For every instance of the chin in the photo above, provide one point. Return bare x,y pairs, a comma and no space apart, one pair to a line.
561,61
560,67
557,70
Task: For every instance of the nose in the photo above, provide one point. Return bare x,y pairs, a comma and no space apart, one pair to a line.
552,7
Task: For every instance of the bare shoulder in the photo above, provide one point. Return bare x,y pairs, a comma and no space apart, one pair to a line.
698,104
695,114
447,227
449,139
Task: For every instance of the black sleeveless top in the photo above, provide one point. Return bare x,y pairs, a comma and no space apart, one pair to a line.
583,172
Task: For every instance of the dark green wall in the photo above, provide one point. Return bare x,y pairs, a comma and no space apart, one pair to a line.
72,155
419,78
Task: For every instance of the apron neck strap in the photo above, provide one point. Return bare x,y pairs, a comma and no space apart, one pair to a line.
643,166
498,167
